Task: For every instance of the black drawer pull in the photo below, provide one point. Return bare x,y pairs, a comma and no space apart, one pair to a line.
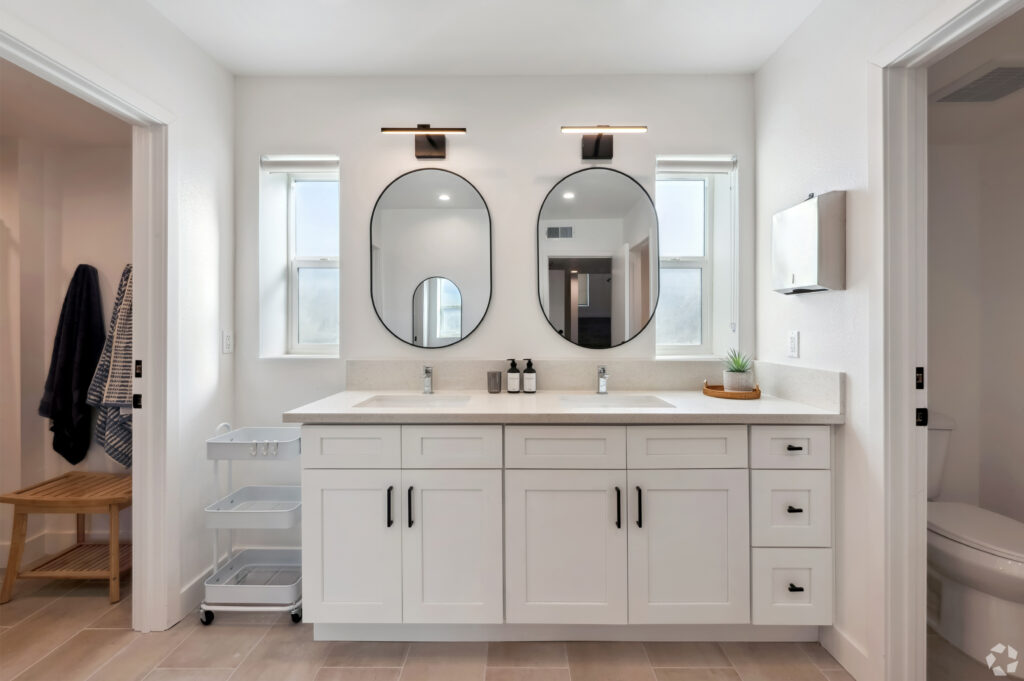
639,507
793,588
391,520
409,505
618,508
794,448
794,509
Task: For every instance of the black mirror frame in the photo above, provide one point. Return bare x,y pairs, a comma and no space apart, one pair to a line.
490,259
657,258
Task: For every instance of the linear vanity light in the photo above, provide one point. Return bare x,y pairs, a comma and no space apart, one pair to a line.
429,142
597,139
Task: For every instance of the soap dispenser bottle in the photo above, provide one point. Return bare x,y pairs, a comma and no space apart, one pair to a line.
529,377
513,377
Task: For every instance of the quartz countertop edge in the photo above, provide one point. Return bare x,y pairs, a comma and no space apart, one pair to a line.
543,408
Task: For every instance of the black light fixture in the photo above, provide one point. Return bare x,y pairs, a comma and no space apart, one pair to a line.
597,139
430,142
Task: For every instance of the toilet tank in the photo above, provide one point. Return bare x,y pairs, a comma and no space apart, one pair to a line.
940,427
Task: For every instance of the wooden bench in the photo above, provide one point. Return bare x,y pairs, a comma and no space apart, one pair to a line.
79,493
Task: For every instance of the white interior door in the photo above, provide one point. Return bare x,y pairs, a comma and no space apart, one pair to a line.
451,546
351,546
565,545
689,547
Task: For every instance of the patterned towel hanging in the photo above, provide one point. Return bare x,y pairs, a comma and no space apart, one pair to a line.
111,387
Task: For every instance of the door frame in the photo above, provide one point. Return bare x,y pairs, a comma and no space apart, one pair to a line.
152,553
904,166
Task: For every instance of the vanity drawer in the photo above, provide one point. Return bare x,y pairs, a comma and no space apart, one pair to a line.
686,446
565,447
791,586
790,447
351,446
791,508
451,446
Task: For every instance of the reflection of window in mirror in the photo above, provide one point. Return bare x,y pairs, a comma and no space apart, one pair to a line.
583,296
697,309
299,249
449,310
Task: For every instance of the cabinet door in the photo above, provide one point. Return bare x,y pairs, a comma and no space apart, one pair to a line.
451,546
689,547
565,539
351,556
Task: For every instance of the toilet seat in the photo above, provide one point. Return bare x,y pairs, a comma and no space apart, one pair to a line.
978,528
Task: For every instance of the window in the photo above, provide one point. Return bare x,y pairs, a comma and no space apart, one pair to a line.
696,241
449,310
299,249
312,263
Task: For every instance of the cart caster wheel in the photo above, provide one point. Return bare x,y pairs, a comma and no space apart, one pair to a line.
206,617
297,616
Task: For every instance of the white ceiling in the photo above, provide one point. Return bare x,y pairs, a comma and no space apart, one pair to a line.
978,122
598,194
31,108
487,37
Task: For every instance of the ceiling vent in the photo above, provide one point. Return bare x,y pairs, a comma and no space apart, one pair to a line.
559,232
990,85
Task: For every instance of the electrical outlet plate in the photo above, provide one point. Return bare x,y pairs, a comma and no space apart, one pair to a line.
227,342
794,344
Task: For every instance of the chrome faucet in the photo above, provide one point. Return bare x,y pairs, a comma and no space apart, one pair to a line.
428,380
602,381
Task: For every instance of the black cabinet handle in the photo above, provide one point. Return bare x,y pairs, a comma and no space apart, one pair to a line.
618,508
793,588
391,521
794,509
409,505
794,448
639,507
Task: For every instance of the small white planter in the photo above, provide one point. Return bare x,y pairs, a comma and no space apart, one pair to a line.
738,382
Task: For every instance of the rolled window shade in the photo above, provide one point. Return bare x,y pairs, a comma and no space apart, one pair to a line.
716,163
295,163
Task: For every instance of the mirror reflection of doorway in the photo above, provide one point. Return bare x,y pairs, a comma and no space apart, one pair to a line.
436,313
581,299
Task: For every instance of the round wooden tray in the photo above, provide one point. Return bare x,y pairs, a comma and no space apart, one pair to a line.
720,391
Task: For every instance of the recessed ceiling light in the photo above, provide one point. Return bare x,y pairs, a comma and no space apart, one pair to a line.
568,195
443,197
574,271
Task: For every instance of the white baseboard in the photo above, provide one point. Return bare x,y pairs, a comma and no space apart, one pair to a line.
558,632
849,654
35,548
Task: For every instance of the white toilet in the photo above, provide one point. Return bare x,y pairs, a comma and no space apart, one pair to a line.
975,567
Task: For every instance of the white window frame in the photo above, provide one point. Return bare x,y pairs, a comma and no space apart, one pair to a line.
703,263
441,308
296,263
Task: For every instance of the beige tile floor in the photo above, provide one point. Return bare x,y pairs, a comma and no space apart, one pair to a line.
66,631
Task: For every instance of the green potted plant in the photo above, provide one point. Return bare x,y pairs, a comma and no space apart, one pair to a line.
738,375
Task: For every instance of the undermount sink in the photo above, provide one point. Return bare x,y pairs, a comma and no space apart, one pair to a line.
415,400
615,402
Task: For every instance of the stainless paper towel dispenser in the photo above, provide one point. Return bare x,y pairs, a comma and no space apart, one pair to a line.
809,245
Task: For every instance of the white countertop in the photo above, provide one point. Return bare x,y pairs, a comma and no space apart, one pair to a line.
690,406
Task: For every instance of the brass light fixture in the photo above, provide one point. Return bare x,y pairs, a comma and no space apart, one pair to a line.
597,142
429,142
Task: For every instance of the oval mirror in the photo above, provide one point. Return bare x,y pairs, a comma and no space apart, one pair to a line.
430,258
597,258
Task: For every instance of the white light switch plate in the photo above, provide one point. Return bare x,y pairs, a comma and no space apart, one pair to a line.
794,344
227,342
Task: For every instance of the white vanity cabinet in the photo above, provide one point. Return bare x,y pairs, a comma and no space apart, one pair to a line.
402,545
565,546
567,525
689,547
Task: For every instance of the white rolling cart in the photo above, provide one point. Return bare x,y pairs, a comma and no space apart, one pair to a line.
267,580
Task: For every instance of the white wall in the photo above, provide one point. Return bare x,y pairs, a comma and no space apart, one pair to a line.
513,153
818,104
144,60
975,238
